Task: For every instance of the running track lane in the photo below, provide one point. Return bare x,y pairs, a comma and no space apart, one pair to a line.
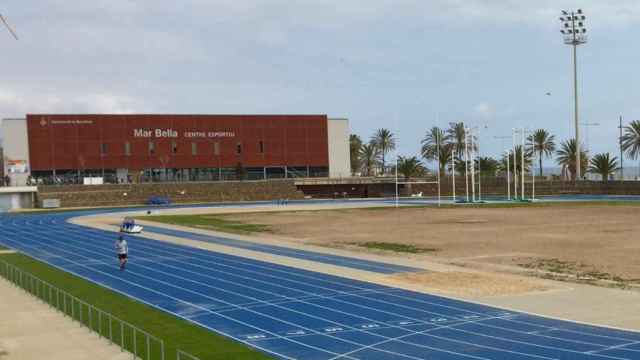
373,266
297,314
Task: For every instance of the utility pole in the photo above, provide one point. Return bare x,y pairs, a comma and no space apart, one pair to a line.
621,152
6,24
574,32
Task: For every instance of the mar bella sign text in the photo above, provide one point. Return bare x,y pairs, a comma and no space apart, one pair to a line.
171,133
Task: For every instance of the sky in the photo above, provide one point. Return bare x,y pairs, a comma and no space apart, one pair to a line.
406,65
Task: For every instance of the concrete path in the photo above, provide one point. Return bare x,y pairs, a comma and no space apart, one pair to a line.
583,303
30,330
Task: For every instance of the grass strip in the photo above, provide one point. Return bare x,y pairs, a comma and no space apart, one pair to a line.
175,332
209,222
403,248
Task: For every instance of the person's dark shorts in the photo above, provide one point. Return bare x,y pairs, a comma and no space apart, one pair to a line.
122,256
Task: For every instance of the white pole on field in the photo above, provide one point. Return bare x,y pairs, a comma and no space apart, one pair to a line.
533,177
473,168
479,172
522,166
396,154
515,166
508,176
397,196
438,166
466,164
453,174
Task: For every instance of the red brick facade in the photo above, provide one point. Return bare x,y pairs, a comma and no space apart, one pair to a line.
137,142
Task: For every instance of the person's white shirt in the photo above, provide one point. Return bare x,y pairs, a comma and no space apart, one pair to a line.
121,247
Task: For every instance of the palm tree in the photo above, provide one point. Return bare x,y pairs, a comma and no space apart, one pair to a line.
604,165
435,148
567,158
385,141
355,143
543,143
444,159
518,159
487,166
631,139
410,167
368,155
456,136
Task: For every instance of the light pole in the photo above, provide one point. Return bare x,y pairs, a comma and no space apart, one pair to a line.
574,31
621,151
508,155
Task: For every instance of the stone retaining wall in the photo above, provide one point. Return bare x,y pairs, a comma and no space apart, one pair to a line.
489,187
193,192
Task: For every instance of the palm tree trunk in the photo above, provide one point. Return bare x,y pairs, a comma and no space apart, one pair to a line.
383,162
540,160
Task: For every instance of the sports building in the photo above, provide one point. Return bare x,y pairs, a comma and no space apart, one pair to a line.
132,148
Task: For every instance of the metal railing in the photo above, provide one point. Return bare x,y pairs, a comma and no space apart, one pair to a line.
181,355
128,337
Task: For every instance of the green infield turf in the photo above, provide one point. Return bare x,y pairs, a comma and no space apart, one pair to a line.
176,333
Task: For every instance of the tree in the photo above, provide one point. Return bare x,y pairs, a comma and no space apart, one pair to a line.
435,147
487,166
369,155
355,143
604,165
543,143
410,167
631,139
456,137
518,159
567,158
385,141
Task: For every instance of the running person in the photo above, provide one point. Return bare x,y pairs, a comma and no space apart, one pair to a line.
123,250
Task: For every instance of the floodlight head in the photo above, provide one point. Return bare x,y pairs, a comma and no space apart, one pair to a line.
579,11
564,12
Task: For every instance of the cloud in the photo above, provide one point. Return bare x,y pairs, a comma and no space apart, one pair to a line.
14,104
484,109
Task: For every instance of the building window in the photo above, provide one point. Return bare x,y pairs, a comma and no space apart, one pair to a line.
174,147
152,148
194,148
103,149
127,148
216,148
261,147
238,148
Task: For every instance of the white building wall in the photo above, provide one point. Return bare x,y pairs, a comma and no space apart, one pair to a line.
16,148
339,156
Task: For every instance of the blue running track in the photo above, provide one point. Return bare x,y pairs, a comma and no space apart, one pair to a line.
283,251
297,314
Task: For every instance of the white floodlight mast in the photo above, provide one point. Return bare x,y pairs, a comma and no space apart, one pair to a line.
574,31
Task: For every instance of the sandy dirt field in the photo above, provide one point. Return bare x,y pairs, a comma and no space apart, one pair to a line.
589,241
